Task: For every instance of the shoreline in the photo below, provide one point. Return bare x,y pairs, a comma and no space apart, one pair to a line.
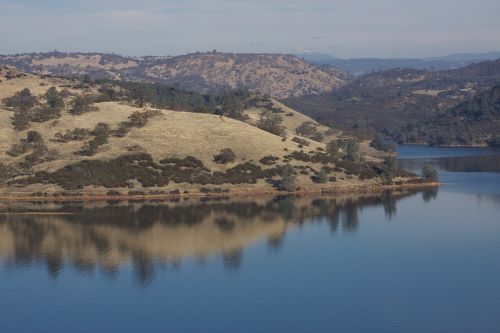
242,192
449,146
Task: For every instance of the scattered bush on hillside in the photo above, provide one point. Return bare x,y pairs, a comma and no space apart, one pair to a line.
288,178
225,156
232,104
271,123
53,98
22,100
54,102
107,93
309,130
321,177
42,114
21,120
22,103
137,119
82,104
7,172
269,160
32,140
101,133
39,152
344,149
187,162
362,170
300,141
314,157
113,173
77,134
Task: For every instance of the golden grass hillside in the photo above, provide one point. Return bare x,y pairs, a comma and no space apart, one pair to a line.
171,150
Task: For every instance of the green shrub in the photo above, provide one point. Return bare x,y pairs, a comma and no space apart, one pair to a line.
272,123
112,173
136,119
22,100
82,104
21,120
77,134
225,156
269,160
101,132
288,178
43,114
429,173
309,130
321,177
54,99
300,141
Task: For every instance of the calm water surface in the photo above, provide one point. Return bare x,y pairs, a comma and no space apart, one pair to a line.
408,261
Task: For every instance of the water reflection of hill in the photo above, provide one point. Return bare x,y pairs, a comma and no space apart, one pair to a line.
145,235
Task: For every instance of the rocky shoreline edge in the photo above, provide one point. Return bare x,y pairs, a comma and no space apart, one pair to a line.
228,193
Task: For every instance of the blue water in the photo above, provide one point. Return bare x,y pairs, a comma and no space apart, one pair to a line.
416,151
411,261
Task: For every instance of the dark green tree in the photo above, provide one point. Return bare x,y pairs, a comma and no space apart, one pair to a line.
272,123
54,99
288,178
429,173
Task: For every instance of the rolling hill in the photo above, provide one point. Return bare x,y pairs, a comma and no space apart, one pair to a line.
360,66
473,122
62,136
277,75
390,101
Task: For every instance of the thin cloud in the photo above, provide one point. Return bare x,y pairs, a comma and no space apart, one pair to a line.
344,28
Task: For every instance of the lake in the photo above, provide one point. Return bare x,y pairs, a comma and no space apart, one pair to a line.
400,261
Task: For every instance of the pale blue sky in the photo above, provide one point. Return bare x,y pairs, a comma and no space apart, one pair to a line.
344,28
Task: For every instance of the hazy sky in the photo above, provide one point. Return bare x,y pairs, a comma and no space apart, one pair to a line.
344,28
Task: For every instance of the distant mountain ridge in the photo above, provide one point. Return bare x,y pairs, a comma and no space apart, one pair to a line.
358,66
277,75
476,121
403,104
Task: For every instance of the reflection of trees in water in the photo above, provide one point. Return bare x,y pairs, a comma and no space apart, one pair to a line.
429,194
233,259
275,242
108,236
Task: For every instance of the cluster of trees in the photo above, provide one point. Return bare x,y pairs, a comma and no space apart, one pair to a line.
429,173
225,156
83,104
77,134
379,144
137,120
228,103
272,122
27,108
473,121
309,130
101,133
391,101
347,149
34,144
288,178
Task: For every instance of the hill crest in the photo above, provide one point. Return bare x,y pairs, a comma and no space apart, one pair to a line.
277,75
